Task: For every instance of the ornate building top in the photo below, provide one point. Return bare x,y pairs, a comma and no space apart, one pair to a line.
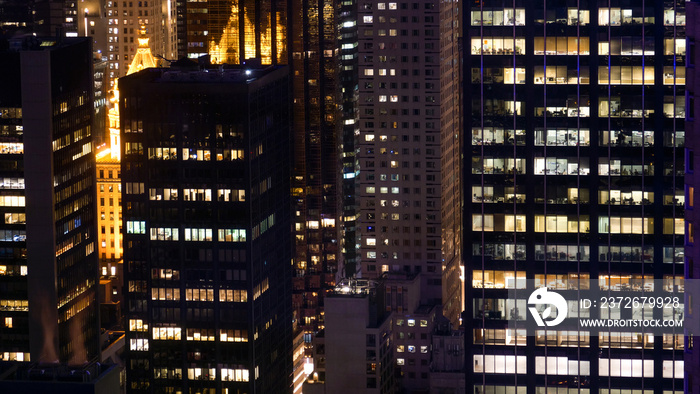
143,58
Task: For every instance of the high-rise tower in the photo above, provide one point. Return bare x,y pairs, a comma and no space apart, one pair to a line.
48,259
692,219
574,117
395,136
207,247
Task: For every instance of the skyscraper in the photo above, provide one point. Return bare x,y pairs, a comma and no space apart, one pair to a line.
302,35
396,140
48,264
574,117
207,247
313,64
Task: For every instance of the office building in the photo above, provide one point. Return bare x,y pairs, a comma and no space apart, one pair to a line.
48,260
314,72
692,180
574,124
395,170
206,217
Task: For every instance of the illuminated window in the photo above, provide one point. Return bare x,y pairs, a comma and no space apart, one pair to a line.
674,226
691,196
235,375
232,235
500,364
139,345
12,201
196,154
616,367
165,234
167,333
233,335
135,227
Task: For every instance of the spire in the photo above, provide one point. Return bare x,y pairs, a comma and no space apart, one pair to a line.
143,58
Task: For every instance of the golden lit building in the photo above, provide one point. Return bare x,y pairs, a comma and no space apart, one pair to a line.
109,215
109,198
231,31
125,21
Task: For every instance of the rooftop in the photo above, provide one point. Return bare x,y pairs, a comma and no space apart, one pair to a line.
28,42
29,371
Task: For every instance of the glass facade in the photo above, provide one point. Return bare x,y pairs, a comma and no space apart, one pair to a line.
303,35
231,31
573,142
206,230
48,305
315,80
692,181
452,162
